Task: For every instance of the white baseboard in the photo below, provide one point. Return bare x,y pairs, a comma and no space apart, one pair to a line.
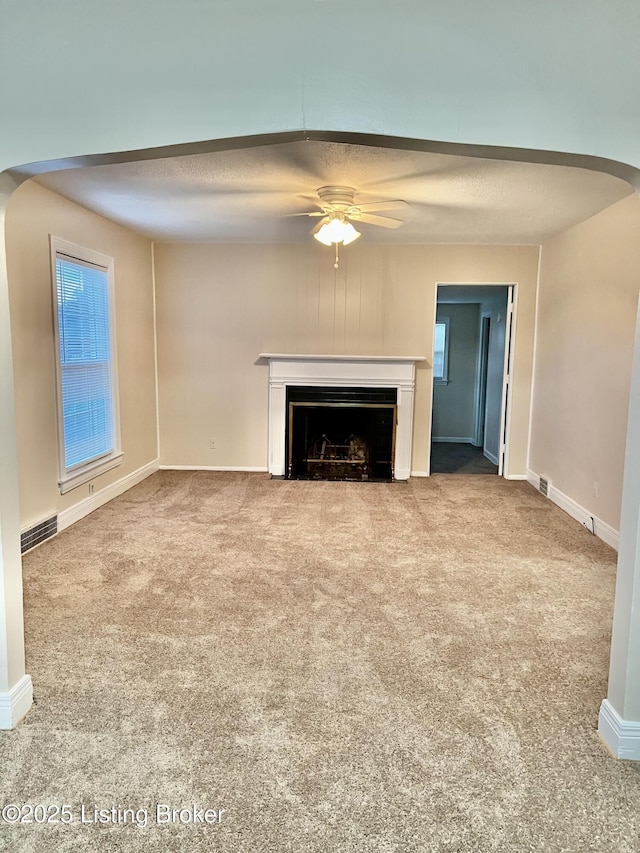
516,477
453,439
238,468
490,456
593,524
533,479
15,704
419,474
84,507
621,736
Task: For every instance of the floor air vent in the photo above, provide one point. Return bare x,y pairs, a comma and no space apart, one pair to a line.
38,533
544,486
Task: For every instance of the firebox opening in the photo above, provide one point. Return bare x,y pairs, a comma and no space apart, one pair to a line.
341,433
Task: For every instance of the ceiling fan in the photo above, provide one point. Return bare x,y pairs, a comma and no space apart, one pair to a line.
339,202
338,210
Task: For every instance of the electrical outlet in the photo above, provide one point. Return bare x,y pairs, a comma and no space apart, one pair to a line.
212,444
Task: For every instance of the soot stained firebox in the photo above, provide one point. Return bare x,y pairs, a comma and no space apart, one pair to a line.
340,433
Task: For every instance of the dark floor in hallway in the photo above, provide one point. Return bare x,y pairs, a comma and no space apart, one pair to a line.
450,457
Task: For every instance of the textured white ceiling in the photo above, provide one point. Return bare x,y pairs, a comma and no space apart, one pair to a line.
249,195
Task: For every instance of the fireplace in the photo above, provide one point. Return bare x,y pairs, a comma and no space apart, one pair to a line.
341,383
340,433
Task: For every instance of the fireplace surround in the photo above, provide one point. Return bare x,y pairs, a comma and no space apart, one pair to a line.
395,374
340,433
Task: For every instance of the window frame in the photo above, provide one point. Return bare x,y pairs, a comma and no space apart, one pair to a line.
75,475
444,379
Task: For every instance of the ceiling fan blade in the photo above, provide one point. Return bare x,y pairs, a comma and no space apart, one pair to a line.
309,213
383,221
392,204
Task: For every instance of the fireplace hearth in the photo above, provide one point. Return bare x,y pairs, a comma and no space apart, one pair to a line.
340,433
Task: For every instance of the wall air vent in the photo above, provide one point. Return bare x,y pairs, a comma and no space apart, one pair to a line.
544,486
38,533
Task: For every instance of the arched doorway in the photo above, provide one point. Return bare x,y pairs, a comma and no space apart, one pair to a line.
281,138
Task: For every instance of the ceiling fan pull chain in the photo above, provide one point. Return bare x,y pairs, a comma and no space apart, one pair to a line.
335,266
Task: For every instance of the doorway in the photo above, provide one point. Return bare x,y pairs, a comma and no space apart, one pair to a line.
473,340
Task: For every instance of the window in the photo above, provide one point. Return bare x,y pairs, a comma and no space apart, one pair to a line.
88,431
441,351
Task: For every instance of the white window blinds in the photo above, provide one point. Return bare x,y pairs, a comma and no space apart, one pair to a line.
86,375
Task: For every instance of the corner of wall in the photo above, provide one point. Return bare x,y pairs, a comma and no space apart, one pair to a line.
155,344
534,357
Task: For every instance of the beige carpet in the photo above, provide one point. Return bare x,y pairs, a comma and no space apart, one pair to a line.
339,666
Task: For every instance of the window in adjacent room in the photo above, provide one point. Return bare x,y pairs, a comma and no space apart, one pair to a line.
441,351
88,428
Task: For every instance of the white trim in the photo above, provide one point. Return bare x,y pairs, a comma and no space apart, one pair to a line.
89,472
593,524
516,477
365,371
15,704
155,345
454,439
478,413
82,473
420,474
428,436
239,468
533,479
506,411
269,356
534,356
621,736
504,447
84,507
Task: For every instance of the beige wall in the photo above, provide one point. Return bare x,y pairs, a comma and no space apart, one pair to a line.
454,403
33,213
589,283
218,307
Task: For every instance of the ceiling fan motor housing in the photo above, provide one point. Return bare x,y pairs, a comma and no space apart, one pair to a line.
339,198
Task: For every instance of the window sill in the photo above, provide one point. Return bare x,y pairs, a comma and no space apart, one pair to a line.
77,478
440,381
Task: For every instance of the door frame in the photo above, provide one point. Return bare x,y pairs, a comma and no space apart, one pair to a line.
481,380
505,411
509,349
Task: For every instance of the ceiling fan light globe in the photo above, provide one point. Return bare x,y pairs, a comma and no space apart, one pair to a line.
322,236
335,230
349,233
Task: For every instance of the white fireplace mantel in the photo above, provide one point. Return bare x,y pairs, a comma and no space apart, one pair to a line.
362,371
294,357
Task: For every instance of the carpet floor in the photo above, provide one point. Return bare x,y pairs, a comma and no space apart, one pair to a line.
338,666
